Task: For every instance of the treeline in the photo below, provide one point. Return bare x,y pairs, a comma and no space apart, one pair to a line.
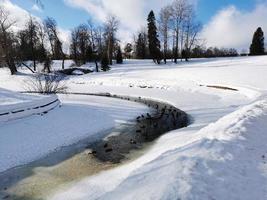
212,52
172,36
29,43
175,35
39,42
96,43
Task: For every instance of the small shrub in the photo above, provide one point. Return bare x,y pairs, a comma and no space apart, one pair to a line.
46,84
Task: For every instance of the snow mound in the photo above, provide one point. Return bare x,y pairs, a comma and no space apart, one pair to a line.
225,160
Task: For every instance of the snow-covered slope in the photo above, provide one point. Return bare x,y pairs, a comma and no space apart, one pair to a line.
221,155
225,160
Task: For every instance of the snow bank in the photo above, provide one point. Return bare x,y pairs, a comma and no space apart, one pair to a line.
226,160
247,74
15,105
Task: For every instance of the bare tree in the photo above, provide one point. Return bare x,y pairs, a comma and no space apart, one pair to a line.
178,13
164,23
55,43
192,28
7,41
32,29
110,27
84,43
74,45
81,46
96,41
92,34
99,39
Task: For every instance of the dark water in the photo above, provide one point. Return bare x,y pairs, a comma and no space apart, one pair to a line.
146,128
41,178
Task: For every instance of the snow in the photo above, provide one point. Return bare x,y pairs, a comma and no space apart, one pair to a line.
9,98
26,140
221,161
221,155
15,105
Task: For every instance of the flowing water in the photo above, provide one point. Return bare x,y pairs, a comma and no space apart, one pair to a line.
122,144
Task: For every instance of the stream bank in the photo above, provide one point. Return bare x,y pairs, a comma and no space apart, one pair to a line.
118,146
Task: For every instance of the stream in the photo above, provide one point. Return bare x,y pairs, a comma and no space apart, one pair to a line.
122,144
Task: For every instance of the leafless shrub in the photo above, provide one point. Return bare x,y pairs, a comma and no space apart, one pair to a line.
46,84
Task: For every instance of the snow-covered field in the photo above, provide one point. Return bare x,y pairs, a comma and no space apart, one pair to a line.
27,139
221,155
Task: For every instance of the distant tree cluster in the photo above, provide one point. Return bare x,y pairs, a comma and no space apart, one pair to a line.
172,36
202,52
39,42
29,43
177,30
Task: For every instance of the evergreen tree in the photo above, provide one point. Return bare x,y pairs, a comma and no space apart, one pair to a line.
257,46
128,50
141,46
153,41
105,63
119,58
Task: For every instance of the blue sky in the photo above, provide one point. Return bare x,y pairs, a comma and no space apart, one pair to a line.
69,17
208,8
66,16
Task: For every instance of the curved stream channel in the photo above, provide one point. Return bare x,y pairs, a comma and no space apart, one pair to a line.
122,144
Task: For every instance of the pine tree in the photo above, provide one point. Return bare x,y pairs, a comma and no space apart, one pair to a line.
119,58
153,41
105,63
257,46
141,46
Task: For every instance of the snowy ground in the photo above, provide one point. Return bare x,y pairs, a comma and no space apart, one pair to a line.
221,155
28,139
14,105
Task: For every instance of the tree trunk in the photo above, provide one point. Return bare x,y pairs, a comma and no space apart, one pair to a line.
176,46
96,66
34,64
63,61
11,65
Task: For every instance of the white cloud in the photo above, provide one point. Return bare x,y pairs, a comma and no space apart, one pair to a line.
65,36
231,27
16,14
21,16
132,14
36,8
